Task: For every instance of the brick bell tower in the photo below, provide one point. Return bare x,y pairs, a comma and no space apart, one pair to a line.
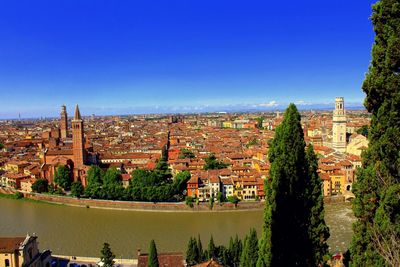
78,140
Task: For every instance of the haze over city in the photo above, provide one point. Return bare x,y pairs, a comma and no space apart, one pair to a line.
181,56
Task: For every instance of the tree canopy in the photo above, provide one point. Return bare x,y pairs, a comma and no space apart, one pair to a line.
213,164
40,186
62,177
291,203
186,154
249,254
107,256
376,236
153,257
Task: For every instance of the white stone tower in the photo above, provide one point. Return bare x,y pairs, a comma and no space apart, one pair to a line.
339,126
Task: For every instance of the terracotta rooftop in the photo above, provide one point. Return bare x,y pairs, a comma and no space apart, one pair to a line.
173,259
210,263
10,244
77,115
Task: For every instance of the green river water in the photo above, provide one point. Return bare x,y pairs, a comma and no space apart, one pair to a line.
80,231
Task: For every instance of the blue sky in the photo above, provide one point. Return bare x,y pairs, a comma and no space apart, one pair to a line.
148,56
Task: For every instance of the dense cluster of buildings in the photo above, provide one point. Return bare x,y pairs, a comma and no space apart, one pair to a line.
33,150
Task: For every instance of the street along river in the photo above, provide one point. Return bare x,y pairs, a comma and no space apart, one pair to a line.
82,231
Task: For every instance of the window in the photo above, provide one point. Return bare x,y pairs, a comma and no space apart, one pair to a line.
7,263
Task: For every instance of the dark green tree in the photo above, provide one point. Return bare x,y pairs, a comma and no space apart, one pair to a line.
260,121
220,197
77,189
285,235
212,250
250,250
153,257
233,199
192,252
62,177
235,251
363,130
186,154
94,180
40,186
213,164
112,175
112,184
200,250
107,257
318,231
376,236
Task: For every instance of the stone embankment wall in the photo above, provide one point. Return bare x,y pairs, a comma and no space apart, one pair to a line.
143,206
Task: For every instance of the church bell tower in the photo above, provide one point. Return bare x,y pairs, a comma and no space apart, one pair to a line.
78,139
64,122
339,126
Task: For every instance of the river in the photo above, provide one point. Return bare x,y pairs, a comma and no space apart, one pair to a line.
82,231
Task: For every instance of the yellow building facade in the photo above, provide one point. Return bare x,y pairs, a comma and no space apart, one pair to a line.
22,251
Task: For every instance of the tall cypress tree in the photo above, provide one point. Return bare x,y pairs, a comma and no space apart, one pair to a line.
192,252
212,251
236,251
250,250
107,256
153,257
376,236
201,256
285,237
318,231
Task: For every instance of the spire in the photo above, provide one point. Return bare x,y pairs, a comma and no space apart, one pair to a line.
77,115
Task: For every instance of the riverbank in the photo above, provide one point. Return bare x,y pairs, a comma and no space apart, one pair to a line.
147,206
144,206
13,196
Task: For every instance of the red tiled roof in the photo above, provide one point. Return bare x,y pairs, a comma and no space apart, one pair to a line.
10,244
164,260
210,263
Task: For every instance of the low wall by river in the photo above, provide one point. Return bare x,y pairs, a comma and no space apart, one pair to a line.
157,206
145,206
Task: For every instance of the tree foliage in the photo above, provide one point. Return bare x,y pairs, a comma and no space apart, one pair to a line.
249,254
292,207
107,256
260,121
153,257
157,185
77,189
318,231
62,177
363,130
213,164
192,252
40,186
225,256
377,189
186,154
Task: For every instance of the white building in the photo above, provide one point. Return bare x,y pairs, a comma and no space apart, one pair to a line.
339,126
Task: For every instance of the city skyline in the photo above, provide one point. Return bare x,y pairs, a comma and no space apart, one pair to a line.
135,58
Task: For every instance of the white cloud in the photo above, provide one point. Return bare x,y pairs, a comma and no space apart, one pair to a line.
271,103
302,103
